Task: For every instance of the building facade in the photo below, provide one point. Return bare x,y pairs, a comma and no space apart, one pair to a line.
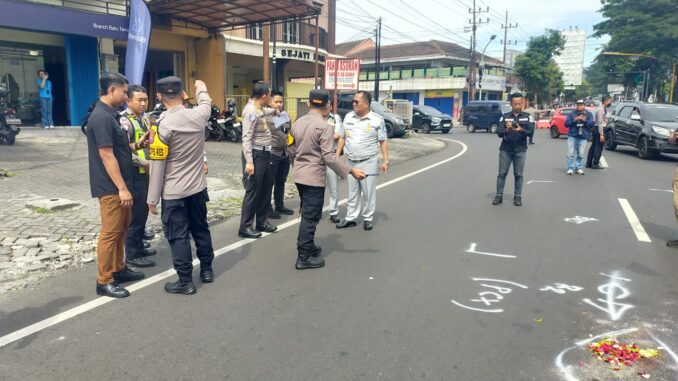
571,58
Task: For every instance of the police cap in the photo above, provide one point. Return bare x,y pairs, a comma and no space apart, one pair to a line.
581,102
169,85
318,98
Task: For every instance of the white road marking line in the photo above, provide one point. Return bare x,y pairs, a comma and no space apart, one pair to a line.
81,309
473,247
661,190
616,277
603,162
539,181
634,221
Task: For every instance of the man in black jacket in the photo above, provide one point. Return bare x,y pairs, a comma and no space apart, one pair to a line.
518,126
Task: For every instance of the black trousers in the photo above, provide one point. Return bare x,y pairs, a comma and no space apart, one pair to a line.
595,150
134,243
257,198
181,217
280,168
312,199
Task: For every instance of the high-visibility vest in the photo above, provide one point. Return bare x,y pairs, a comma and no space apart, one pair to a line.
158,150
139,130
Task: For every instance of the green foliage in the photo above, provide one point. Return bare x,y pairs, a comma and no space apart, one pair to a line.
540,75
643,27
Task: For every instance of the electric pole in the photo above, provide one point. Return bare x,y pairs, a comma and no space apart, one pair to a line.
377,60
506,27
472,64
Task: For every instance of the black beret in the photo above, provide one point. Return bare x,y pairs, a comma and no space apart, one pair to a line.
318,98
169,85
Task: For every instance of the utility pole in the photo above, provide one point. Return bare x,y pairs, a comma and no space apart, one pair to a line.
506,27
377,60
472,65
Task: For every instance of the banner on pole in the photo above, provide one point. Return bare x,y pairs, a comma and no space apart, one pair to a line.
138,38
347,73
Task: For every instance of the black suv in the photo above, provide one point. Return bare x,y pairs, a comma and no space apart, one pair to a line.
427,119
395,125
646,126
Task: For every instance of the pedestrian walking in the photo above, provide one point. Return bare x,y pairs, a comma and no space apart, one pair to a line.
111,176
256,163
46,99
280,161
334,120
598,135
579,123
137,126
178,179
311,152
364,135
517,127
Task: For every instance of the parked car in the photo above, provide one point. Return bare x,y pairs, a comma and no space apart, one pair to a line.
558,121
484,115
427,119
646,126
395,125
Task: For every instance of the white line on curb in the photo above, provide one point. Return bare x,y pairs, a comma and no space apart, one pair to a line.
603,162
81,309
634,221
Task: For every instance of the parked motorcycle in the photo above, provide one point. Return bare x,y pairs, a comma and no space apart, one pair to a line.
214,129
9,124
232,128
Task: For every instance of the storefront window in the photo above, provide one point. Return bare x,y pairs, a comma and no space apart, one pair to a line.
18,73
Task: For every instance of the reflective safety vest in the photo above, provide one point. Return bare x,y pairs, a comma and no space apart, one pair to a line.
158,150
139,130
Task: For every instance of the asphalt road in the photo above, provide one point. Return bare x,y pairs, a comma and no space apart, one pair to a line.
446,287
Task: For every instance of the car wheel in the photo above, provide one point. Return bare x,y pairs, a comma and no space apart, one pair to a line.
389,130
610,144
493,128
446,131
554,132
425,128
471,128
644,150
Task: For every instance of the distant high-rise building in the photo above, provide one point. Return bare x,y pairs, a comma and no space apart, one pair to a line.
571,58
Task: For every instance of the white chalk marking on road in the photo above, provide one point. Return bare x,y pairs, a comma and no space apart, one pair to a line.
634,221
603,162
613,291
472,250
86,307
540,182
660,190
499,281
567,370
665,347
580,220
616,277
499,310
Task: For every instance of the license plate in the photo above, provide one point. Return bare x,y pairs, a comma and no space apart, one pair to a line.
221,120
13,121
446,125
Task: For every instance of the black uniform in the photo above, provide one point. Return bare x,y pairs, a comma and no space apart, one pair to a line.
513,150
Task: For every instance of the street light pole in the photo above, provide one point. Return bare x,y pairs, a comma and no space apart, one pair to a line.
673,74
482,66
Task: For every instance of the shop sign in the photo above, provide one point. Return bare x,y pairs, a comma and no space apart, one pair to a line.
298,54
347,74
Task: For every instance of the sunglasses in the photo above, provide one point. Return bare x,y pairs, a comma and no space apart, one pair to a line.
356,102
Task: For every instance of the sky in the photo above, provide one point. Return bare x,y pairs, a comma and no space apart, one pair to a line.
423,20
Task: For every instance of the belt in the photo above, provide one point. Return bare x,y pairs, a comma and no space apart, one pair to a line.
261,148
360,161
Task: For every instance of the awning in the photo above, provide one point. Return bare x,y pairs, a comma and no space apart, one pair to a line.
225,14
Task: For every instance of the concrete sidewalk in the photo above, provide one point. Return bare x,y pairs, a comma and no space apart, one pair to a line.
50,223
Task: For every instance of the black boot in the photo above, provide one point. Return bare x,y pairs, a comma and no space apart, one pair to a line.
497,200
305,260
315,252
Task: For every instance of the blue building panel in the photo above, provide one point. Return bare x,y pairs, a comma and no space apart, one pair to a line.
82,63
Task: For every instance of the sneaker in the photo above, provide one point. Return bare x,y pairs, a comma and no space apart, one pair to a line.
580,171
51,126
570,172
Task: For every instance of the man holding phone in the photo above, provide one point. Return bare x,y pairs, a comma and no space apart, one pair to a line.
518,126
138,128
580,122
45,95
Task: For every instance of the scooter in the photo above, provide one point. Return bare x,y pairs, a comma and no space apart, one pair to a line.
214,129
232,128
9,124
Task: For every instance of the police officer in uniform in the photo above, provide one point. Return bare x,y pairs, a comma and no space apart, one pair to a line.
518,126
334,120
364,134
178,178
256,162
312,150
137,126
280,161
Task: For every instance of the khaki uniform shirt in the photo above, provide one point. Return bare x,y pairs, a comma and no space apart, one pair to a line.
313,149
362,135
255,130
183,130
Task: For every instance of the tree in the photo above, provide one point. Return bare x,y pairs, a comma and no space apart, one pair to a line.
541,76
644,27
